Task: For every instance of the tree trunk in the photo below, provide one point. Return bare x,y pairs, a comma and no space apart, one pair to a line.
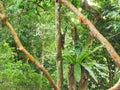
58,46
84,80
71,78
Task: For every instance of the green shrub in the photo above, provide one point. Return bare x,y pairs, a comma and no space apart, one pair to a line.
16,75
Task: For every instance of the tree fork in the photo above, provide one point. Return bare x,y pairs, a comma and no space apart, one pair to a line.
3,17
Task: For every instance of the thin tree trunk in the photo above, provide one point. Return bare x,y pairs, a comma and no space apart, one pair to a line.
71,78
84,80
58,46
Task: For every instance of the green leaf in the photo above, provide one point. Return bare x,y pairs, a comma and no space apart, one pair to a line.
77,72
97,48
117,76
101,66
85,52
82,56
91,73
70,58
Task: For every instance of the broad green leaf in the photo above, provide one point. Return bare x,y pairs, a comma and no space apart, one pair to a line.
77,72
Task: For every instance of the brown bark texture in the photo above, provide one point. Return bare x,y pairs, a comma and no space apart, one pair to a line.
71,78
3,17
94,32
84,80
58,46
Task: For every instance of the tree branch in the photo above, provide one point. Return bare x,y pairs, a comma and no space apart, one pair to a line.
116,86
23,50
94,31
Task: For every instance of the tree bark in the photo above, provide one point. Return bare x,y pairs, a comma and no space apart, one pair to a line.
94,31
58,46
3,17
84,79
71,78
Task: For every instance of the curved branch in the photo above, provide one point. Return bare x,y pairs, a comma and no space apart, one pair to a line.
94,31
23,50
116,86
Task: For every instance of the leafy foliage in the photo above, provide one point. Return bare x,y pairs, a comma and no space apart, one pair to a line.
16,74
34,24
